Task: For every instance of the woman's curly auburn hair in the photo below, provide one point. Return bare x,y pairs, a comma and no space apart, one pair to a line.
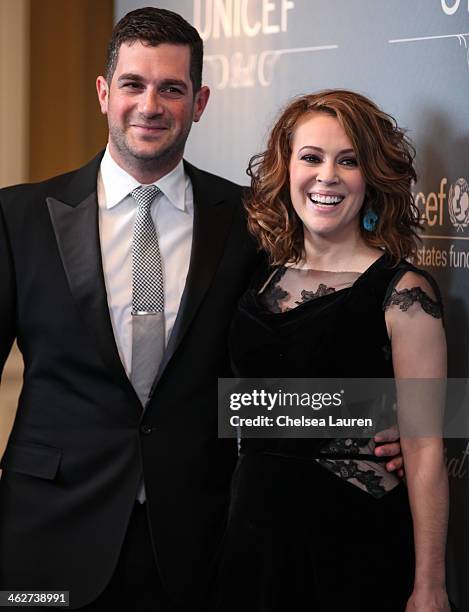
384,155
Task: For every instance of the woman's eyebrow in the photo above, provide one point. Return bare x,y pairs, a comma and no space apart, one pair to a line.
322,150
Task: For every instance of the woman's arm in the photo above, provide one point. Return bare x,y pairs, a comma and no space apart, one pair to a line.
414,322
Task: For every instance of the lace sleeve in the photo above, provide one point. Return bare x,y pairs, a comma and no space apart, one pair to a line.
418,343
404,299
411,287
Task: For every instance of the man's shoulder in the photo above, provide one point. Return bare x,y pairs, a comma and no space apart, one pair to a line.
56,186
25,189
215,181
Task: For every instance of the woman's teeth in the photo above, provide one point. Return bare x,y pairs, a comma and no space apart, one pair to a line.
321,199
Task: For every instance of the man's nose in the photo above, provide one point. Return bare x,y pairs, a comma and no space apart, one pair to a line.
150,103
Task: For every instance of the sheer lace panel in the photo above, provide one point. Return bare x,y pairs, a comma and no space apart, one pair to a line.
369,476
404,299
289,287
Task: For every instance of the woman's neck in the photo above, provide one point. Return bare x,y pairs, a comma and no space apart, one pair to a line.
353,255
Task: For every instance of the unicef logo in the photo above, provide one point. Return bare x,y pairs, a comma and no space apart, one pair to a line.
458,204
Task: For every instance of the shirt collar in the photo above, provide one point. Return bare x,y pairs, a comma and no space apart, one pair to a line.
118,183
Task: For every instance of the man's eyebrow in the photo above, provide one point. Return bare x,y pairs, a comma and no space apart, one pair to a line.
173,82
130,76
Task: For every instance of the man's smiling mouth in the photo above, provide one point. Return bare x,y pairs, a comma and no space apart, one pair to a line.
149,127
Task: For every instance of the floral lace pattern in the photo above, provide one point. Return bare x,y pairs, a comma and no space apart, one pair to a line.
322,290
404,298
290,287
368,475
273,298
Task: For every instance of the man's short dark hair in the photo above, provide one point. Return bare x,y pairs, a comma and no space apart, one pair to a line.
154,26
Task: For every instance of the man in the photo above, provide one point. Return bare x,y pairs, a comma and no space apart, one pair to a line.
115,486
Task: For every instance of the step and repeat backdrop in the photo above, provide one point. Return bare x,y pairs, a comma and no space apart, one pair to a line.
412,58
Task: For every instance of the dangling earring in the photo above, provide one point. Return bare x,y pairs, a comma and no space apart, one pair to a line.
370,219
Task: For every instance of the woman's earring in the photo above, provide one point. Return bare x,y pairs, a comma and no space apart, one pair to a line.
370,219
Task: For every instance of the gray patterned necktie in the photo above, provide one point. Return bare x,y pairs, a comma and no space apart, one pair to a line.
147,273
148,324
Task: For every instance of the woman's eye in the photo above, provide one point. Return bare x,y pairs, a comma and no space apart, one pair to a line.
312,159
349,161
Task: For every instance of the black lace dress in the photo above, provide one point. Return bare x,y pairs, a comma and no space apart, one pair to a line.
305,532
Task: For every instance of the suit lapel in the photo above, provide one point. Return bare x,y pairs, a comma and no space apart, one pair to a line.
75,221
74,215
212,220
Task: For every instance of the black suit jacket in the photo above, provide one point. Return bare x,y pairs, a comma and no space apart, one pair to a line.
80,438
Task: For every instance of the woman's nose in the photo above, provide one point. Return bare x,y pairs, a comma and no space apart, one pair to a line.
327,174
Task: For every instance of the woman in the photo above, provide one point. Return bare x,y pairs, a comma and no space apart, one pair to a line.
321,525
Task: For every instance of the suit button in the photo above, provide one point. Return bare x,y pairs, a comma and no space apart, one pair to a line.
146,429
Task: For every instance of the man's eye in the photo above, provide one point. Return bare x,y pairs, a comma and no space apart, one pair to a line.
172,91
132,85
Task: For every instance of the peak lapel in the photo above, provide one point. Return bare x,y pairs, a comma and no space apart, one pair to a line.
77,233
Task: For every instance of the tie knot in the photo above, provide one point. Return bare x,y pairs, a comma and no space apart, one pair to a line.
144,196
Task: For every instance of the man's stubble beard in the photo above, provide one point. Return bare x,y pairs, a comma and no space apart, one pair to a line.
139,159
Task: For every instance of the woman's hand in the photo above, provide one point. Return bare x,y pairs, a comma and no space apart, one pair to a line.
428,600
389,446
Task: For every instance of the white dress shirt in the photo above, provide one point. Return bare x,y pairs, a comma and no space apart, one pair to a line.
173,216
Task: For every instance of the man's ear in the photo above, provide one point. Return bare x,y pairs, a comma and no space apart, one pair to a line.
200,102
103,93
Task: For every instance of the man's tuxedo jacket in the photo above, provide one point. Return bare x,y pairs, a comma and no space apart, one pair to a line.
81,439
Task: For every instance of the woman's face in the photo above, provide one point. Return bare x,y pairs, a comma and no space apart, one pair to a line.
327,187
